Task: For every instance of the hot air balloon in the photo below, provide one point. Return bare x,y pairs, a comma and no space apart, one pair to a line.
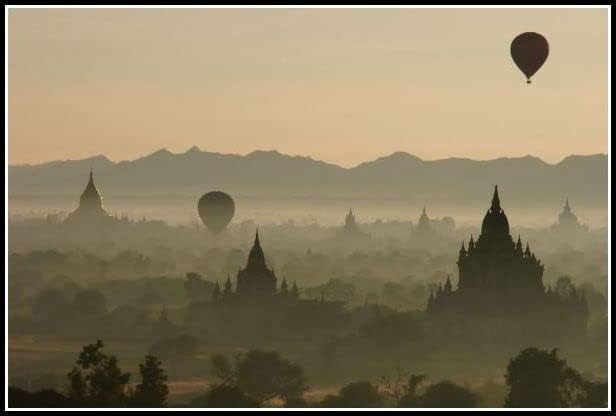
216,209
529,51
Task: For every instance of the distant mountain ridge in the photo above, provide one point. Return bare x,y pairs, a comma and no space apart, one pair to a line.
398,176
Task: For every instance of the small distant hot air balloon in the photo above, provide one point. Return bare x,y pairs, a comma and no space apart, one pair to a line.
216,209
529,51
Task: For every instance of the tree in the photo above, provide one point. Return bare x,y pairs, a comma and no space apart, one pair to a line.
153,390
261,375
284,289
411,397
564,287
41,399
533,378
448,394
227,291
223,369
295,290
196,287
596,394
265,375
51,304
357,394
538,378
222,395
90,302
216,293
173,348
395,387
96,379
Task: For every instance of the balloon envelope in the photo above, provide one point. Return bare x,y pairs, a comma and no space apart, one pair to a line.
529,51
216,209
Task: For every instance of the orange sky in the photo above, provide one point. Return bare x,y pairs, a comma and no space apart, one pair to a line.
344,86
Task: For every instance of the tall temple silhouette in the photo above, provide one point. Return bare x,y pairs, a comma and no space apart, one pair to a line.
256,278
90,208
499,279
255,281
494,261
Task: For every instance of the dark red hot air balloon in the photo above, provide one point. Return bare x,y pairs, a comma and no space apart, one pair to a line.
529,51
216,209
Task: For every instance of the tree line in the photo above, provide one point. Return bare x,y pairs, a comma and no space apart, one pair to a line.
534,378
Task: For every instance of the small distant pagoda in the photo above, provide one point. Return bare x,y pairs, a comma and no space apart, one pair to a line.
568,221
424,228
350,228
90,208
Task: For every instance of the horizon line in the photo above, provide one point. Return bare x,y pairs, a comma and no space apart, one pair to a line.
398,152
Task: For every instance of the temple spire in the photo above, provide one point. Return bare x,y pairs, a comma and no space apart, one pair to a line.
227,285
448,285
495,200
256,258
283,287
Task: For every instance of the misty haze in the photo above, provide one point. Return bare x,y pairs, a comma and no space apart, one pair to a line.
307,208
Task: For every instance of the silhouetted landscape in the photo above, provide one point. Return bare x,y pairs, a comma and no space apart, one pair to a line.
275,187
374,300
307,208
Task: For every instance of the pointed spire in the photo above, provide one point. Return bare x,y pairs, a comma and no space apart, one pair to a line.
257,243
256,258
495,200
567,207
90,198
448,285
471,244
527,251
216,293
518,245
91,181
227,285
462,250
283,286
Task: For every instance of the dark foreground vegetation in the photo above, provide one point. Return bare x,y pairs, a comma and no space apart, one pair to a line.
534,378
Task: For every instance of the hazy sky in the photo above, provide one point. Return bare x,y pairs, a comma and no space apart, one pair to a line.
344,86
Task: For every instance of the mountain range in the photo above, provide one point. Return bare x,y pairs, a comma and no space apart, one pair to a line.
399,176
